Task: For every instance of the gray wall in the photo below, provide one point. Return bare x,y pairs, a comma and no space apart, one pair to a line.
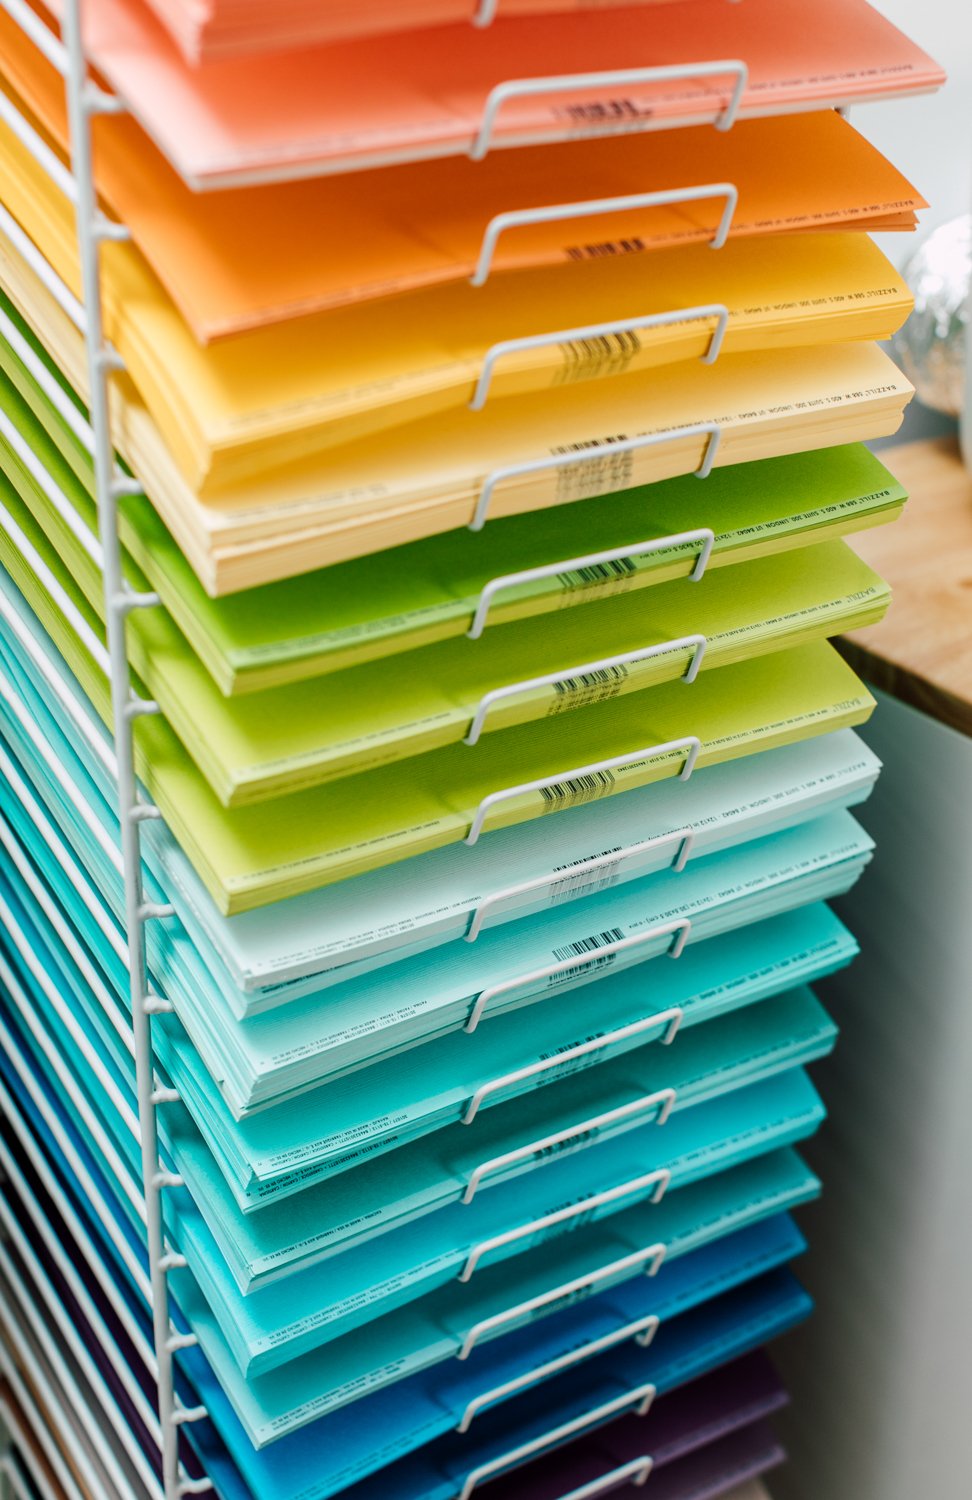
882,1375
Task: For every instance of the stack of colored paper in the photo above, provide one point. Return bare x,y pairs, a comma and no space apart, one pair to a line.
434,491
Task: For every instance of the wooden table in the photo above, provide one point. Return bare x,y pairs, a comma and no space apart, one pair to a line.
922,651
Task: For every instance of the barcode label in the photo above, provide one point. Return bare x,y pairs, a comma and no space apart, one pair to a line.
587,885
606,247
590,944
606,111
576,1064
603,354
583,947
618,571
589,882
602,676
567,1300
592,1036
577,790
585,444
605,470
586,688
574,1143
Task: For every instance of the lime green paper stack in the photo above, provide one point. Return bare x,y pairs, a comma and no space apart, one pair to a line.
271,700
248,856
433,590
292,737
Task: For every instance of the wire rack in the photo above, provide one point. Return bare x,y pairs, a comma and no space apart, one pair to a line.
86,99
50,1399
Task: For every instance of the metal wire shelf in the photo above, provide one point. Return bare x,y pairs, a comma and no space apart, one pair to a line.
86,100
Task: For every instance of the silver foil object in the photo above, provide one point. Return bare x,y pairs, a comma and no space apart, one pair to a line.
931,346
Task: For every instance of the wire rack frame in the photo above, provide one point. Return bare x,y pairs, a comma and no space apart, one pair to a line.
86,100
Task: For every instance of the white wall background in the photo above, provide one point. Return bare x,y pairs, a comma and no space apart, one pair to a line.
929,139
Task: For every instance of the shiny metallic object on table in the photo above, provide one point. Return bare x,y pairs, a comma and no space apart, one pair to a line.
931,345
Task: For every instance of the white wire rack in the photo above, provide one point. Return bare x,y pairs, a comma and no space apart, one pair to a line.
86,100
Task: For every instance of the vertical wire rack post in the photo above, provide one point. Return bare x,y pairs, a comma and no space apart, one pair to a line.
86,100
